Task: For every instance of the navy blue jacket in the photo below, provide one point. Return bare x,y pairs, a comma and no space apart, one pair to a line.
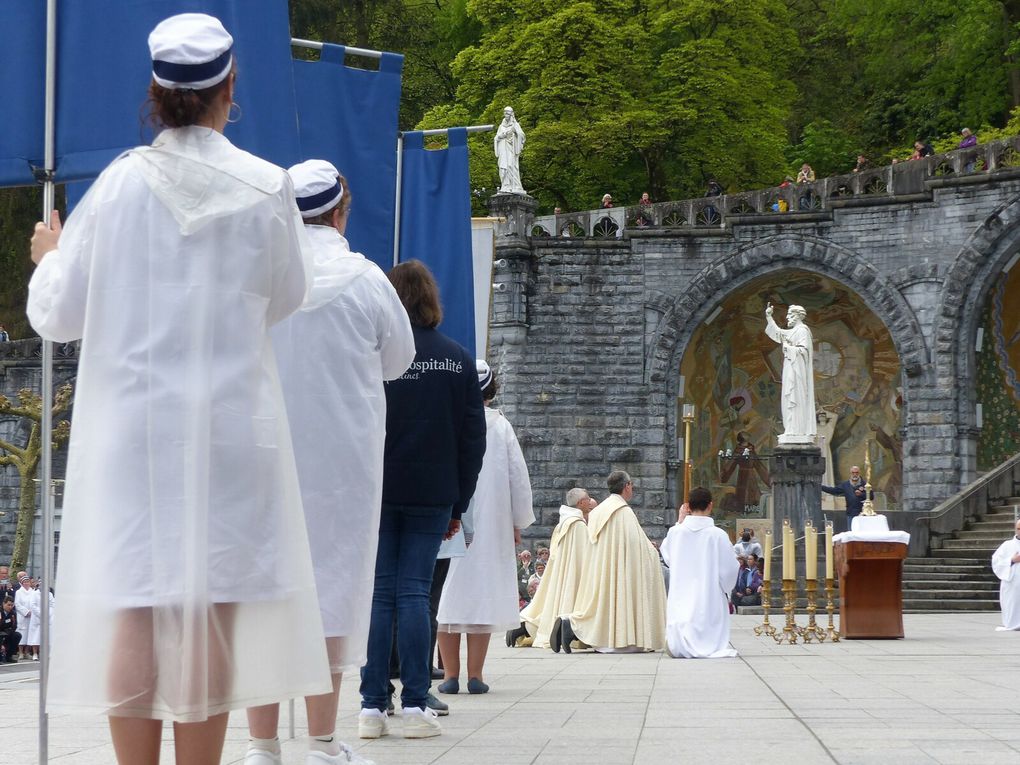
849,492
435,427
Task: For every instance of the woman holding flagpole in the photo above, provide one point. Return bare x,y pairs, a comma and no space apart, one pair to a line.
180,477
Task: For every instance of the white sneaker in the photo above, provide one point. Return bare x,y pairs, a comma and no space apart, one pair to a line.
372,724
262,757
346,757
421,723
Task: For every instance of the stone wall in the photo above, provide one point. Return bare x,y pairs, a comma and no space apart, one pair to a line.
589,333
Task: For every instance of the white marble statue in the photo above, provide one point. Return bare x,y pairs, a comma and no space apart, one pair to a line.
508,143
826,427
798,396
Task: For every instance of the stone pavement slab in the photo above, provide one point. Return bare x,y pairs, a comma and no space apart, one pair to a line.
945,695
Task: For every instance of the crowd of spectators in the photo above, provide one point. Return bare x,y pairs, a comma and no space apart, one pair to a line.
20,617
747,589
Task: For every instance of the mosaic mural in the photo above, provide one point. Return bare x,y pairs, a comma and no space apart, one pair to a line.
998,373
732,373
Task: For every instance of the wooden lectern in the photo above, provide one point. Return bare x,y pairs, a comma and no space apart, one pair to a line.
870,589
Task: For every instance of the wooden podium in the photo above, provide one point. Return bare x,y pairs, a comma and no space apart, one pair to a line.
870,589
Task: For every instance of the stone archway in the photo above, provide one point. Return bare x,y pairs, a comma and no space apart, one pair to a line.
681,315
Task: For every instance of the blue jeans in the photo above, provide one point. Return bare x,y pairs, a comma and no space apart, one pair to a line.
409,538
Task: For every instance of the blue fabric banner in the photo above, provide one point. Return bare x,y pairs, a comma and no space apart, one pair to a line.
22,81
104,71
435,225
348,116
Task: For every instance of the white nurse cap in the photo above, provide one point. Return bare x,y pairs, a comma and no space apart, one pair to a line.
190,50
317,186
484,373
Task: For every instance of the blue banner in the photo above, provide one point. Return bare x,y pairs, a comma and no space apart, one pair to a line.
22,82
104,70
348,116
435,225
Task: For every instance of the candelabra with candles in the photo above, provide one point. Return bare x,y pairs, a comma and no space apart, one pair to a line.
789,633
766,590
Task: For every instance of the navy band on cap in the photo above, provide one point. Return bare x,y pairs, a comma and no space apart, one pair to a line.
485,380
318,200
182,74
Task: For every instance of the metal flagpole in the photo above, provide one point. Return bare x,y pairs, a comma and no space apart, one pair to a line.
400,166
46,498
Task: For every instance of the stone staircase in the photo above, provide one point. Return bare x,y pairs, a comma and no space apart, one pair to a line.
958,577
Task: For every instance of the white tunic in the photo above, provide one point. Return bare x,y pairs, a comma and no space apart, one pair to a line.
702,570
23,605
480,594
1009,585
351,334
35,625
180,475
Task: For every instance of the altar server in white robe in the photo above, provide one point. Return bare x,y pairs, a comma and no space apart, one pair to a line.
351,334
480,595
568,552
1006,565
23,605
702,570
620,606
180,471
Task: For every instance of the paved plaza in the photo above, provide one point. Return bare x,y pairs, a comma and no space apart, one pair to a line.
947,694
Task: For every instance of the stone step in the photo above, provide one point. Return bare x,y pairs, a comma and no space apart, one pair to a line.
951,584
975,547
989,535
923,605
1003,528
939,564
927,577
930,595
968,555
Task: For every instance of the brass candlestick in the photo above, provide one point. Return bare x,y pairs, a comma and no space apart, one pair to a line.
830,607
789,634
766,602
812,631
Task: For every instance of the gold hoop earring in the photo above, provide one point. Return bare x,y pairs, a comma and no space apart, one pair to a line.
233,106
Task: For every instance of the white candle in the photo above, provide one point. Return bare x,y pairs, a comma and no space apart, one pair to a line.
829,562
768,555
810,552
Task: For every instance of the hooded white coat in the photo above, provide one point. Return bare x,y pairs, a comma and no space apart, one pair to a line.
181,481
334,354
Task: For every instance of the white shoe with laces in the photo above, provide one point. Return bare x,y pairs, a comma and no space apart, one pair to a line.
421,723
372,724
347,756
262,757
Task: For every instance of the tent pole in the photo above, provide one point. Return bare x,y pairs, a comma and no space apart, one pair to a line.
46,488
396,206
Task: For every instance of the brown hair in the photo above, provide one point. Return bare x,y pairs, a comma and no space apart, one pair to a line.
419,293
180,107
326,218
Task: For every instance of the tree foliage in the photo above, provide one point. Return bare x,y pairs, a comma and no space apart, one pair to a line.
25,457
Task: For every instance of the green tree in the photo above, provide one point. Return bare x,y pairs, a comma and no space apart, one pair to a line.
25,458
19,210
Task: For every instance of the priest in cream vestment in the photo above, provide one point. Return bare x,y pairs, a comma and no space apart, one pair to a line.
1006,565
621,604
568,553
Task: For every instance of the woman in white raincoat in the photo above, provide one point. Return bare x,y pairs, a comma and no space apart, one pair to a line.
180,476
351,334
480,595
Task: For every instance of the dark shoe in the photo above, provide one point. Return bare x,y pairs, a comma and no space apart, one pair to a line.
12,660
512,636
554,635
566,635
440,708
477,686
437,674
449,686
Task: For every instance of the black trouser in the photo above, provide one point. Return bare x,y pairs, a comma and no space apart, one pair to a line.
10,641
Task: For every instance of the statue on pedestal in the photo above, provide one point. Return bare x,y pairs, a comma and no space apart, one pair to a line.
508,144
798,393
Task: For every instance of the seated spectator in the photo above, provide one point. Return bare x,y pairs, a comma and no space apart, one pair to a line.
10,638
6,338
747,544
542,555
539,571
607,200
862,163
922,149
524,572
969,139
781,205
747,591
